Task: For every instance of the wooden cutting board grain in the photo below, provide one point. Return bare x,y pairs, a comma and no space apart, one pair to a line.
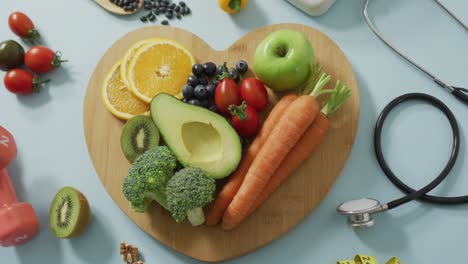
287,207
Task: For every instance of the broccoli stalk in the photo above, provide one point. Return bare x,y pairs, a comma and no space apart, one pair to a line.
148,177
187,192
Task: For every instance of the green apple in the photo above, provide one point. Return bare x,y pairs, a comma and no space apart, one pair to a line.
283,60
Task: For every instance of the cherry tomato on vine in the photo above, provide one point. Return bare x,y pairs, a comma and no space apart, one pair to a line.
41,59
227,92
22,26
20,81
253,91
245,119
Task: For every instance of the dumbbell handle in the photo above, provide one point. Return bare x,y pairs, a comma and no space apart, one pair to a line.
7,192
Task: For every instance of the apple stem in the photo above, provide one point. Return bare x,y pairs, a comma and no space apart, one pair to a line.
340,94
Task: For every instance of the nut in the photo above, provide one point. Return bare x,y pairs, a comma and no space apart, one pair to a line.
129,253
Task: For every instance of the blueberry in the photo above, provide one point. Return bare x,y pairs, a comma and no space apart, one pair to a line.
233,74
187,91
195,102
209,69
220,69
200,92
242,66
212,107
204,103
192,79
211,89
197,69
203,80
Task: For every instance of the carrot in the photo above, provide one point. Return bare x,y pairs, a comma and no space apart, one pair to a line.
230,189
306,145
287,132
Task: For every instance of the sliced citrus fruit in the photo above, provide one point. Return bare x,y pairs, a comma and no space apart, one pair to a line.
127,58
161,66
118,99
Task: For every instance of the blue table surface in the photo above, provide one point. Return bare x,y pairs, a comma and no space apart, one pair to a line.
52,150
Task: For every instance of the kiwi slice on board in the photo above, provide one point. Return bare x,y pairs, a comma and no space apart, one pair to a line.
139,134
69,213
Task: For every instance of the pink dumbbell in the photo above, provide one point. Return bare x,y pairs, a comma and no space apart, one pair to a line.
18,221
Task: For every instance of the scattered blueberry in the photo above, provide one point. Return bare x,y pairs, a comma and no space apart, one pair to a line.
200,92
209,69
187,91
203,80
192,79
211,89
195,102
242,66
197,69
165,22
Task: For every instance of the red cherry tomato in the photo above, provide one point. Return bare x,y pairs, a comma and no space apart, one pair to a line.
41,59
22,26
245,119
19,81
253,91
227,94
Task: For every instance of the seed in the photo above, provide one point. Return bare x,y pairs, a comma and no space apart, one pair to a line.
143,18
177,9
179,16
169,16
182,3
151,18
165,22
172,6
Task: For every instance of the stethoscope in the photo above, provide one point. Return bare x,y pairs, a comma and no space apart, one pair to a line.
360,211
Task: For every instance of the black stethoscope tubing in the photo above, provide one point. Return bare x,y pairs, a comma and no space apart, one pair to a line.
422,193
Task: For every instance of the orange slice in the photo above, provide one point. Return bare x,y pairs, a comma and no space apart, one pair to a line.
118,99
127,58
161,66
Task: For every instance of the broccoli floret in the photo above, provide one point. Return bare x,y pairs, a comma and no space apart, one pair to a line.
148,176
187,192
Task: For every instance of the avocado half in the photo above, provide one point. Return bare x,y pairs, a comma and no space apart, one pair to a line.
197,136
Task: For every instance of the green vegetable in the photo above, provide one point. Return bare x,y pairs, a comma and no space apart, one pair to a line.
148,177
337,98
187,192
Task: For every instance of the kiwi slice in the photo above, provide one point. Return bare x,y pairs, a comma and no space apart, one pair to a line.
138,135
69,213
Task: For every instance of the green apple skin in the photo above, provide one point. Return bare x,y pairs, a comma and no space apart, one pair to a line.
283,60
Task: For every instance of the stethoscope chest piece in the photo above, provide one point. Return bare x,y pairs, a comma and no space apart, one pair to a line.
360,211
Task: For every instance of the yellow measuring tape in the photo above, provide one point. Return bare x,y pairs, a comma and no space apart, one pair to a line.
364,259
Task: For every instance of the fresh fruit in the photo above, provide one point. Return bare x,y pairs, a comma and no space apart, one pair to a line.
11,55
195,102
232,6
283,60
220,69
159,67
197,69
118,99
187,91
41,59
233,74
211,89
22,26
197,136
19,81
203,80
227,94
254,93
242,67
127,59
138,135
69,213
209,69
200,92
193,80
245,119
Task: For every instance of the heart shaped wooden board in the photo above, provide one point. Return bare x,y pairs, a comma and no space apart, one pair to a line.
293,201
